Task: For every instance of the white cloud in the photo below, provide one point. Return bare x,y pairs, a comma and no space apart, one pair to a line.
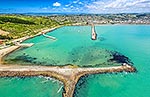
80,3
112,6
116,4
45,8
125,3
57,4
64,8
76,1
67,5
104,6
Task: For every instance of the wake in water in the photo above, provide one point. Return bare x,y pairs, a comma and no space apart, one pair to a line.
59,89
50,79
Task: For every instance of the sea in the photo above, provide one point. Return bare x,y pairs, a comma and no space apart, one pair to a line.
115,45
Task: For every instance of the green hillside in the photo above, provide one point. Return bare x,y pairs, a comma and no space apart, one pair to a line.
20,25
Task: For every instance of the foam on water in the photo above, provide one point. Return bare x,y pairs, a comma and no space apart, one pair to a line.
29,87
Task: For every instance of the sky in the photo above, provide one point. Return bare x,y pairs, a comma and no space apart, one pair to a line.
75,6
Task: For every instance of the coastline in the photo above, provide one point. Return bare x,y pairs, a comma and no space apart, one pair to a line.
32,36
10,49
69,76
7,51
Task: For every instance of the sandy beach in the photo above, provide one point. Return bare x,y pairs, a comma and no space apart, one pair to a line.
5,51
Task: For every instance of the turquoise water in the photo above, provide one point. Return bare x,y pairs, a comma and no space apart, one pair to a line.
73,46
30,87
132,41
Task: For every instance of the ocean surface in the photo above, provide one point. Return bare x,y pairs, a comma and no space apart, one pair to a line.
74,46
134,42
30,87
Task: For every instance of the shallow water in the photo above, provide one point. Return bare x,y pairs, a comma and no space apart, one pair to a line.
73,46
30,87
134,42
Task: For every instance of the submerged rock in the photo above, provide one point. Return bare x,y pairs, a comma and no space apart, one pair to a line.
23,58
119,58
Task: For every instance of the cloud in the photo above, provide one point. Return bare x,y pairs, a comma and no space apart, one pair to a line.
80,3
115,6
125,3
57,4
103,6
76,1
45,8
68,5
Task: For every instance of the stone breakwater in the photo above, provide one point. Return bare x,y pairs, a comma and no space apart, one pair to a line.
68,75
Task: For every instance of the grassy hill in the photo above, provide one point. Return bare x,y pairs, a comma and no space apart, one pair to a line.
21,25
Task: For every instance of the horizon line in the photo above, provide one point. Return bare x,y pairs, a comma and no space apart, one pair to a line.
71,13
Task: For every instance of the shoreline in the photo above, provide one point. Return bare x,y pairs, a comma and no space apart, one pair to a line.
38,34
7,51
66,74
10,49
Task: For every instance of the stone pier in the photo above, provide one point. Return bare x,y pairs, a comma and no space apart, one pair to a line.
68,75
93,33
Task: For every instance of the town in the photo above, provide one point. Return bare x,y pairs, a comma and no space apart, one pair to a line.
14,26
123,18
